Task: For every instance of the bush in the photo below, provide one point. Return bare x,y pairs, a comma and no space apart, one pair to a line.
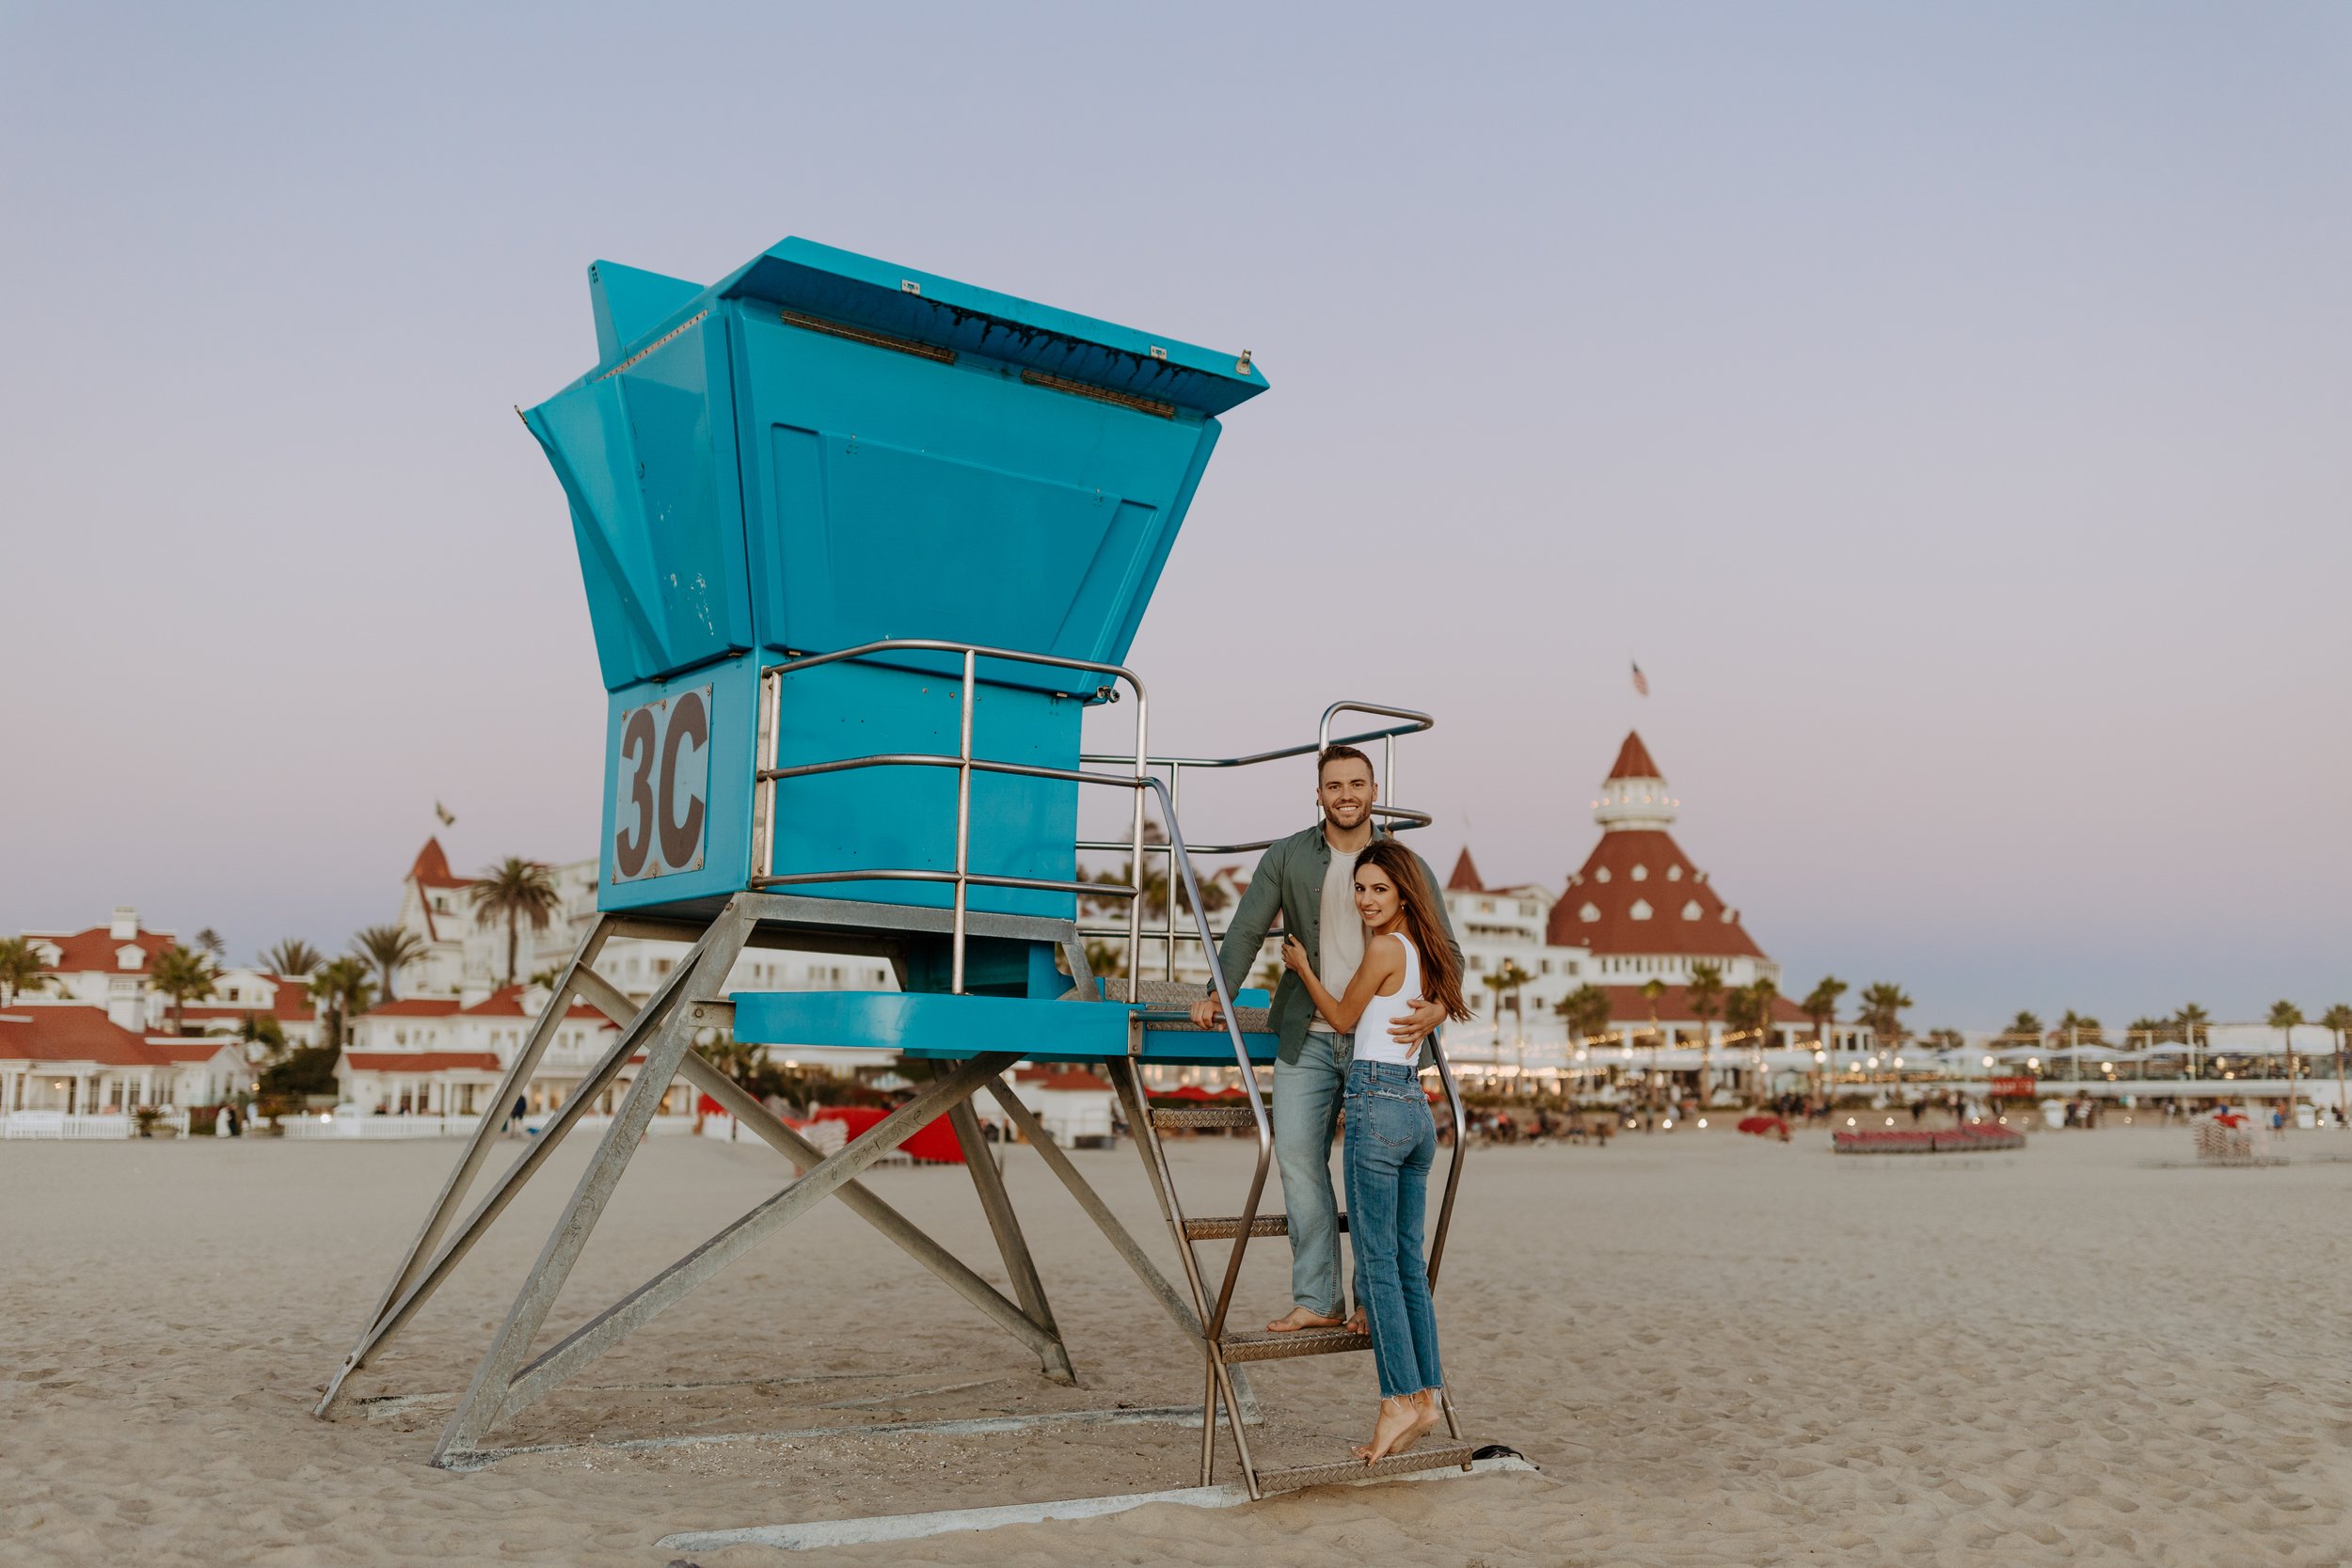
308,1071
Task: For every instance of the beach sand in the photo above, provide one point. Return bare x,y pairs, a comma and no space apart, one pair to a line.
1719,1350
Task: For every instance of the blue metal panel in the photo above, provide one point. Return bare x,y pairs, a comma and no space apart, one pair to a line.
886,492
645,455
631,302
726,822
906,816
898,301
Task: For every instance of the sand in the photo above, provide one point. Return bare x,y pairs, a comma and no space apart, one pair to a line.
1720,1349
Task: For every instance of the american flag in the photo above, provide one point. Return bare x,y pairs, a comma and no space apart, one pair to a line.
1641,682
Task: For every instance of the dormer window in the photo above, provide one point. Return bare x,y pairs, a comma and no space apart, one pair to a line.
1589,912
1691,910
1641,909
128,957
1641,873
1674,873
1602,875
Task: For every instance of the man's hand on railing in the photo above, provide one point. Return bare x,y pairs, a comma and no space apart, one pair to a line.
1413,1025
1206,1015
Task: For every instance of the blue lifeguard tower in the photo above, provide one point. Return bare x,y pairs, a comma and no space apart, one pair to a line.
861,544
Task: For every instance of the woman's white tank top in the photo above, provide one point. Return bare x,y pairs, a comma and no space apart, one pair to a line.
1374,1042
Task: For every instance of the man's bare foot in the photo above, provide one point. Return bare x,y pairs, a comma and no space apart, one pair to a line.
1394,1433
1298,1317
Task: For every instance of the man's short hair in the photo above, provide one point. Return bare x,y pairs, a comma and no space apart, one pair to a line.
1342,754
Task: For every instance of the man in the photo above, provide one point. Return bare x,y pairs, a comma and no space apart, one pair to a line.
1309,879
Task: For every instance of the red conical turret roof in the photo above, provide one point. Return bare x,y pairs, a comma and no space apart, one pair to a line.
1633,760
1465,877
432,867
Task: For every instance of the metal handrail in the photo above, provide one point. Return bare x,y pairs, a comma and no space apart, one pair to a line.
965,765
1396,817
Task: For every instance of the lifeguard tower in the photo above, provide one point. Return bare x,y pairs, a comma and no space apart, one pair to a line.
861,544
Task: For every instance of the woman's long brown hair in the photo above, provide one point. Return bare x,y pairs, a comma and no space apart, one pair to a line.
1440,970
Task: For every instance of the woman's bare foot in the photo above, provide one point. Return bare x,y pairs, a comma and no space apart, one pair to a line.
1394,1433
1298,1317
1428,1412
1358,1324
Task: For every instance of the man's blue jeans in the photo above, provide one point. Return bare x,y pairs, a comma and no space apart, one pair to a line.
1305,1113
1391,1146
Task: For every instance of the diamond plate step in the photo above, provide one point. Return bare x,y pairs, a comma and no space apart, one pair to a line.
1442,1457
1225,1227
1206,1116
1263,1346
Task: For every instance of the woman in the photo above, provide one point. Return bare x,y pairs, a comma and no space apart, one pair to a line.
1391,1139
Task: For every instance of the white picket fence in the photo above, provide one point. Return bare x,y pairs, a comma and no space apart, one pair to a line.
57,1124
401,1127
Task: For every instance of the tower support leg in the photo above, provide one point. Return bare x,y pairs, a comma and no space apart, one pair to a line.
485,1398
1011,1246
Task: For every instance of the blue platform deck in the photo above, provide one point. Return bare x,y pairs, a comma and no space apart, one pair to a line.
956,1027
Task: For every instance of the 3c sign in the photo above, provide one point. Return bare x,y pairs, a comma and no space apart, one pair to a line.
662,788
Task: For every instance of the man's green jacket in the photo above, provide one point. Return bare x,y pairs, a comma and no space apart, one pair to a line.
1289,882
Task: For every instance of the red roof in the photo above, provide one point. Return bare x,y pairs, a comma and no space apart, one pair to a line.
1633,760
186,1051
421,1061
96,949
1465,877
1633,868
1626,1005
431,868
1059,1078
417,1007
71,1034
290,1000
507,1002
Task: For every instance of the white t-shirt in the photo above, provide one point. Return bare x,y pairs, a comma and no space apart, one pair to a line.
1342,932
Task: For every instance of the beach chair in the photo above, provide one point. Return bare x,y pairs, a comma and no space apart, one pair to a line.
861,546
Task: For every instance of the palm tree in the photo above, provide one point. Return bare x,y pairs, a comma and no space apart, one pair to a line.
1585,1012
1821,1006
264,1040
516,890
387,947
1510,977
1761,994
1651,992
1880,1006
2193,1020
340,988
2149,1030
1748,1015
1705,994
209,943
291,956
2284,1016
2025,1027
20,969
183,975
2339,1019
2080,1028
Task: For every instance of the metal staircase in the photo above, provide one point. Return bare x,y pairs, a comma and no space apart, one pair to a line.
1224,1348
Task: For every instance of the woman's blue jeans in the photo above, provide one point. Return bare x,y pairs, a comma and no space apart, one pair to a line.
1391,1144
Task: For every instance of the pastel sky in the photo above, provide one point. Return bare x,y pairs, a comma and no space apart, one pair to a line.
1947,404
